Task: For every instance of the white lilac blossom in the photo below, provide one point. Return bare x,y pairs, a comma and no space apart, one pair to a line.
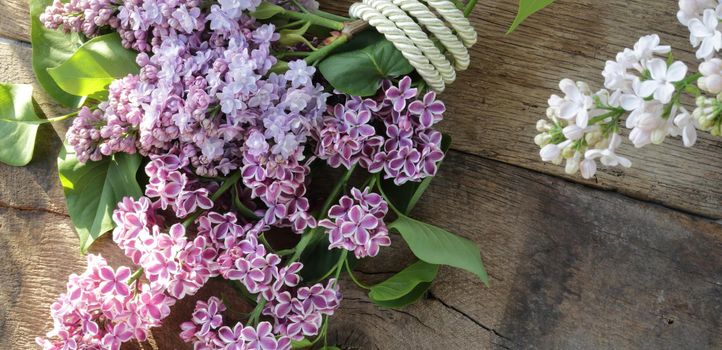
584,128
646,83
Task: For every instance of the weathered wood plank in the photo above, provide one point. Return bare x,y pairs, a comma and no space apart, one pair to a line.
15,23
493,107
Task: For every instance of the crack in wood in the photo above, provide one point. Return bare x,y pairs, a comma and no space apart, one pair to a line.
431,296
4,205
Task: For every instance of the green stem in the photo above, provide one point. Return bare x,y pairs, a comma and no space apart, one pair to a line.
324,51
388,201
263,239
353,277
256,313
331,16
340,264
41,121
241,208
135,276
281,55
314,19
227,184
612,113
469,7
306,239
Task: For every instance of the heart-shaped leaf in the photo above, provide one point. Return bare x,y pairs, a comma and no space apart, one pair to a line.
437,246
406,196
361,71
526,9
18,124
50,49
404,282
93,190
94,66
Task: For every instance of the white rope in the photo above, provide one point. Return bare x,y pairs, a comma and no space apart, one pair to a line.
414,32
401,21
396,36
433,24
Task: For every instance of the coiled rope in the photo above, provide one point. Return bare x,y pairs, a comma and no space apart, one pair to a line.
401,22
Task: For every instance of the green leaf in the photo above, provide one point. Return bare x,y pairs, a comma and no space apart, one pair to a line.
406,196
50,49
526,9
404,282
94,66
437,246
360,72
413,296
318,260
267,10
301,344
93,190
18,124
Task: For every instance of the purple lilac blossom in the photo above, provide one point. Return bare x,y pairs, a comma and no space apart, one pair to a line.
100,310
206,331
408,150
356,223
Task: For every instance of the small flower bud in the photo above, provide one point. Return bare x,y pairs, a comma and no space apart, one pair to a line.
572,165
716,129
542,139
573,132
658,136
568,151
588,168
593,138
551,113
549,152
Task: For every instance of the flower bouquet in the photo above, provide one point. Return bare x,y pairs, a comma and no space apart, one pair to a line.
200,130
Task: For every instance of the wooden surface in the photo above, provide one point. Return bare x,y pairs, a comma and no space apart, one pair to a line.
629,260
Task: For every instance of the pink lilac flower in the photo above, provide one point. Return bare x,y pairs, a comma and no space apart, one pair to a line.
408,150
301,315
429,110
356,223
399,96
221,337
100,310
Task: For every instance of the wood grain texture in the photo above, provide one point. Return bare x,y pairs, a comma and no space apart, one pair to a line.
15,22
571,267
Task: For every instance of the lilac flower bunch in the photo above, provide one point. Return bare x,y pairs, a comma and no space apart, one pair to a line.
583,127
407,150
103,308
206,331
356,223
